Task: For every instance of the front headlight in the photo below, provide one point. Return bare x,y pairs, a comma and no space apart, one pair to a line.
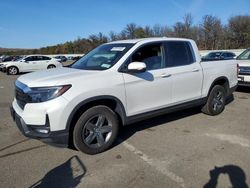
42,94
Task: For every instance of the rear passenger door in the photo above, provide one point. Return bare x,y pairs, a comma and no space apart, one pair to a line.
186,73
43,62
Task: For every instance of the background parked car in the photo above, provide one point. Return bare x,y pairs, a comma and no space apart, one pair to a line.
61,58
220,55
76,58
11,58
7,58
31,63
243,61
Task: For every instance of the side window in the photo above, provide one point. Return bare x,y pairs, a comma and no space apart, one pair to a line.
35,58
228,55
45,58
30,58
151,55
231,55
178,53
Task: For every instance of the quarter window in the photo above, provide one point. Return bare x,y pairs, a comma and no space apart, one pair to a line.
178,53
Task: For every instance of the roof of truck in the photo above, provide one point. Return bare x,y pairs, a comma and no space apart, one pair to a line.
133,41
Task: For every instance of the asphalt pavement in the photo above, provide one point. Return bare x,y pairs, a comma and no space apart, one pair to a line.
182,149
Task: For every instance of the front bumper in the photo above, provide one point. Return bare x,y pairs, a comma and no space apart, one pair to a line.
54,138
241,83
244,80
3,69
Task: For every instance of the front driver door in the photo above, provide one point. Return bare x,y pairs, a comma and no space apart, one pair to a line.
30,63
149,90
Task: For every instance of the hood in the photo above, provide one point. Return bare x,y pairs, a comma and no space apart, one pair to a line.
53,77
243,63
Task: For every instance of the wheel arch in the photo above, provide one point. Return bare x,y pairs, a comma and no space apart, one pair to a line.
223,81
7,68
110,101
51,64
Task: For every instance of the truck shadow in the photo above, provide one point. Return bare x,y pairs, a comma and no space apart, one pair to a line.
243,89
68,174
149,124
236,175
129,130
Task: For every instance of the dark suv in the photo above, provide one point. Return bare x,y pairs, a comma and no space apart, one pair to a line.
220,55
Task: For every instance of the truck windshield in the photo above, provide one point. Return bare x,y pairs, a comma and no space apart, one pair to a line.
102,57
244,55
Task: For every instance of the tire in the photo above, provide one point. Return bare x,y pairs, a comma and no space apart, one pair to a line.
96,130
216,101
51,67
12,70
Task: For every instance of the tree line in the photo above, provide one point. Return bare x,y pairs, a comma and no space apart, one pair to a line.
209,34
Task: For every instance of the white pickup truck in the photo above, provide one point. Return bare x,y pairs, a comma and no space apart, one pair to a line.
243,61
116,84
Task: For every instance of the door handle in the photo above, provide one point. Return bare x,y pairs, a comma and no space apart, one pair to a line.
195,70
165,75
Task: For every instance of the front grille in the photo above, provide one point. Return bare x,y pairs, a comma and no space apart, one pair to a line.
244,70
22,98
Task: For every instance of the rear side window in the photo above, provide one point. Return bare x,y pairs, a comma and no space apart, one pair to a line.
178,53
228,55
45,58
32,58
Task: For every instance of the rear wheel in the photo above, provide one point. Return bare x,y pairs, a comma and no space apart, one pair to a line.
51,67
96,130
12,70
216,101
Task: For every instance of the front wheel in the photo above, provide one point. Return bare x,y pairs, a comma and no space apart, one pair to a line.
96,130
216,101
51,67
12,70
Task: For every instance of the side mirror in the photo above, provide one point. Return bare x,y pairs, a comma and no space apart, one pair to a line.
137,67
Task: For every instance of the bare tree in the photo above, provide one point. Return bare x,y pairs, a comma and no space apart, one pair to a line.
239,29
113,36
212,31
129,30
